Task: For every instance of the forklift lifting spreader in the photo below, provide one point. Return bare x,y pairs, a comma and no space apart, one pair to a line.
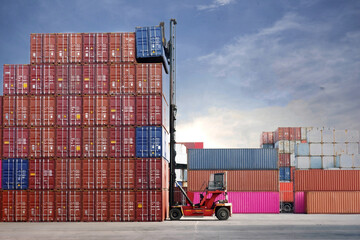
207,205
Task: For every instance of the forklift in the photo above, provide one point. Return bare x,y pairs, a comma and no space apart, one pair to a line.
207,206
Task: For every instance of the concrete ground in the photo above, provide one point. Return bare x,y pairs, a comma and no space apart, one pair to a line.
249,226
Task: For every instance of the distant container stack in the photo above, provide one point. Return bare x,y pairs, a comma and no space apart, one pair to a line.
84,130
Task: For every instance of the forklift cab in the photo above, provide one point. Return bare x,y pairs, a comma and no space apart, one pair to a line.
217,181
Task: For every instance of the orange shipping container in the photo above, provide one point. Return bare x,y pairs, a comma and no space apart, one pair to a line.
333,202
286,192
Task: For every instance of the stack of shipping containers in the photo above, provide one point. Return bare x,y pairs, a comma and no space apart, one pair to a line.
84,130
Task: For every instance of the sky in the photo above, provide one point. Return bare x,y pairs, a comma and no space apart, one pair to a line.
243,67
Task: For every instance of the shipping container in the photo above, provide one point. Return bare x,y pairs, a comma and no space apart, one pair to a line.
75,47
116,78
49,46
115,176
21,202
48,142
48,206
327,180
8,206
102,174
267,138
142,78
129,206
68,174
149,142
15,174
285,173
102,116
149,43
95,174
142,110
49,77
89,105
9,78
128,110
155,79
22,79
62,79
36,79
61,206
157,110
128,173
36,48
62,110
115,147
22,142
9,110
88,173
149,206
48,104
150,174
128,84
284,159
75,79
22,110
115,110
115,206
89,72
41,174
75,110
9,142
122,47
89,136
61,173
88,206
74,206
36,111
237,180
102,47
62,48
34,206
286,192
102,79
35,142
102,148
102,206
75,143
89,47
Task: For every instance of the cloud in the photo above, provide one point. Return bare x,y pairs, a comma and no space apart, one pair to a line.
215,4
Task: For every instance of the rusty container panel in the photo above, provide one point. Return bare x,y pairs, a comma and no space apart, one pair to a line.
36,47
128,85
89,79
149,174
48,104
128,142
62,79
49,48
62,110
89,47
102,148
75,79
102,206
75,110
75,137
89,135
61,173
9,78
286,192
115,170
48,206
128,110
155,78
101,174
115,206
102,109
22,142
142,78
115,110
142,110
327,180
238,180
22,110
88,206
35,111
88,173
102,79
333,202
9,110
62,48
89,105
9,142
34,206
74,172
115,142
49,76
115,79
36,79
156,110
75,46
61,206
128,173
128,206
74,206
115,47
21,210
128,47
35,142
102,47
22,79
8,206
48,142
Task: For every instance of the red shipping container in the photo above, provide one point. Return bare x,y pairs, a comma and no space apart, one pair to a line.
9,110
89,79
62,110
115,79
49,46
41,174
89,104
9,142
284,159
75,171
68,174
21,200
142,78
149,206
48,206
286,192
102,47
101,206
128,174
95,174
142,110
128,78
89,47
62,48
49,79
115,206
115,47
1,150
35,142
22,110
115,142
22,142
75,41
155,78
128,142
156,107
48,142
115,110
128,206
101,142
295,133
267,138
128,47
74,206
102,117
102,172
36,79
75,110
88,173
128,110
115,170
8,206
102,79
61,173
9,78
35,111
36,47
75,79
48,110
34,206
62,79
150,173
61,206
88,206
89,142
75,136
22,79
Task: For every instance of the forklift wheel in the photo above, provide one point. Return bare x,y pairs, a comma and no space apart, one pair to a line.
175,214
222,213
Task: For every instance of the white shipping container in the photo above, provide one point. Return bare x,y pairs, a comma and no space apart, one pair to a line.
304,131
349,161
340,148
328,135
314,135
292,160
328,162
328,149
315,149
302,162
352,148
352,136
181,153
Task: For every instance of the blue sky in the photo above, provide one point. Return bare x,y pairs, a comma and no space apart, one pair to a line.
242,66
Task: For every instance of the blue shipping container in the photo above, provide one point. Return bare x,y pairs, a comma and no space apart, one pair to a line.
285,174
267,146
149,42
15,174
232,159
151,142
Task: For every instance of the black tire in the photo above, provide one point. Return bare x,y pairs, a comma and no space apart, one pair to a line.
222,213
175,214
287,208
